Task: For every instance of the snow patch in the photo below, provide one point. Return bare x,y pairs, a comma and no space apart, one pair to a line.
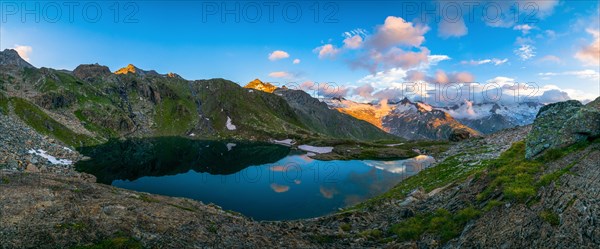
392,145
230,126
315,149
288,142
230,146
50,158
68,149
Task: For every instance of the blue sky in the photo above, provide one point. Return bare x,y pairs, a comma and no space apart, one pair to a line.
364,47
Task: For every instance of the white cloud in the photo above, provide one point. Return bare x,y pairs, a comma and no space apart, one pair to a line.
447,28
590,55
584,74
278,55
525,52
455,77
524,28
326,51
551,58
383,79
24,51
494,61
435,59
544,7
280,74
395,31
353,42
351,33
523,41
501,13
296,61
501,80
553,95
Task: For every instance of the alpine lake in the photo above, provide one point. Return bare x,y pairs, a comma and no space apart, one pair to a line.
259,180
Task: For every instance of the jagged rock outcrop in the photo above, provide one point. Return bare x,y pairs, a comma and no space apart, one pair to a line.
55,100
91,72
10,57
420,121
131,69
406,119
562,124
317,116
261,86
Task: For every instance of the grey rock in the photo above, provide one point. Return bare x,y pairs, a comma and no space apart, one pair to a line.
562,124
10,57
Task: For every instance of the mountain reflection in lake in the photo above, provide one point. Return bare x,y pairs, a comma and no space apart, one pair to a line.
259,180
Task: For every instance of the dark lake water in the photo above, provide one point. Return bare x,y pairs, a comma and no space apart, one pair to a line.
259,180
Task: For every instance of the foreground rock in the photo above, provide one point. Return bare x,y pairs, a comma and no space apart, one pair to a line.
562,124
565,217
20,148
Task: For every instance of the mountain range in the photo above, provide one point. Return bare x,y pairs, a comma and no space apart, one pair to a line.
91,104
410,120
418,120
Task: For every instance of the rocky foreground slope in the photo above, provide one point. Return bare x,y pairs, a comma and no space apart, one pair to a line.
481,193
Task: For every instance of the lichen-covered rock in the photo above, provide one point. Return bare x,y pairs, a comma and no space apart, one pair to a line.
562,124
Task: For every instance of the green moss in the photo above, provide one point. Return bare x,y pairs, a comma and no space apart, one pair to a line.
571,202
550,217
440,223
514,175
372,234
324,238
555,154
3,104
346,227
492,204
183,208
234,213
41,122
72,226
518,178
114,243
212,228
147,198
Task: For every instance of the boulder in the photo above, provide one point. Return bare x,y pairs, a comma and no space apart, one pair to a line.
460,134
562,124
